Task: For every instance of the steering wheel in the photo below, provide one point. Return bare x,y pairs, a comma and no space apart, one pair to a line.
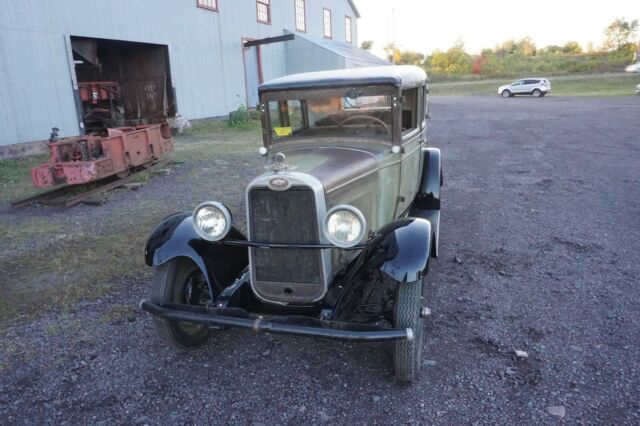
367,117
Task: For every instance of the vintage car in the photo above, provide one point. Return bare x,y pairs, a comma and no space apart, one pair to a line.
342,220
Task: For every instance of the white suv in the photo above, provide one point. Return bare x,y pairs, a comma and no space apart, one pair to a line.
536,87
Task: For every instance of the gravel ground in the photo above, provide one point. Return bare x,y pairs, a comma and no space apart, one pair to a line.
540,243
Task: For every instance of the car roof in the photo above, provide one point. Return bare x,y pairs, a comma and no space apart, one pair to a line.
394,75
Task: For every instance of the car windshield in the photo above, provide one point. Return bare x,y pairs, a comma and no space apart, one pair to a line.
356,114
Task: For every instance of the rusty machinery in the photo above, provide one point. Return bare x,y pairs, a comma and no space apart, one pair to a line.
84,159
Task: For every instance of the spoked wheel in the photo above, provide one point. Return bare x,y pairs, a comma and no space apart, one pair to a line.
180,281
536,93
506,94
407,357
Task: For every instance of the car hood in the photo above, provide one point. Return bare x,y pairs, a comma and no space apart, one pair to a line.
332,166
501,88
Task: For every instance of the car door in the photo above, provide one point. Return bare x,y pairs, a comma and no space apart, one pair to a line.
412,138
517,87
531,85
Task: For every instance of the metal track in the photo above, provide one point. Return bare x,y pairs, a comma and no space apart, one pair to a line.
66,197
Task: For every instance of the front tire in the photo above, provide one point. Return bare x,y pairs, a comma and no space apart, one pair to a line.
506,93
407,357
536,93
180,281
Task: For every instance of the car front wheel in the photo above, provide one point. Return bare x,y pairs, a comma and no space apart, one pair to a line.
407,356
506,94
536,93
180,281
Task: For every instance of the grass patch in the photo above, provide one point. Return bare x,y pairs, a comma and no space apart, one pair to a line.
72,269
29,228
15,178
76,261
117,313
577,85
208,139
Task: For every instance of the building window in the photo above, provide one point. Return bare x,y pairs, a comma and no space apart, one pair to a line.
263,9
208,4
347,29
301,15
327,23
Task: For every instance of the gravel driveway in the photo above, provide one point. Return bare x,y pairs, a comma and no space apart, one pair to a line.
540,252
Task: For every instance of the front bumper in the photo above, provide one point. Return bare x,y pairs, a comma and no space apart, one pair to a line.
292,325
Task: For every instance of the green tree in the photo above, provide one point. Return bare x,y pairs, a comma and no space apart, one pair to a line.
366,45
409,57
620,33
572,47
453,61
525,47
552,49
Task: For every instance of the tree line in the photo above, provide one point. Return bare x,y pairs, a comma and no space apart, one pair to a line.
619,47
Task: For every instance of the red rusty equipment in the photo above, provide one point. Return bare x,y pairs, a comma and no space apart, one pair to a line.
83,159
101,104
96,91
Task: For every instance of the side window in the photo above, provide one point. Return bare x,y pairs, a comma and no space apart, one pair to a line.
301,15
208,4
421,116
263,11
347,29
287,117
409,110
532,82
326,23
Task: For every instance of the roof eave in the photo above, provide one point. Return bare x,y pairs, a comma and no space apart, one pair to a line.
355,9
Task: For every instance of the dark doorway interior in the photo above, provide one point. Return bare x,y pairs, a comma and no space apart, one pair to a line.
122,83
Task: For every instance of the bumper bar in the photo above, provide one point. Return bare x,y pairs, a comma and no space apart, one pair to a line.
346,331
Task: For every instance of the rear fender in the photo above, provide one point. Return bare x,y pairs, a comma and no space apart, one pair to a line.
427,202
175,237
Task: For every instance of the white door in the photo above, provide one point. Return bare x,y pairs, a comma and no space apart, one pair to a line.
252,74
518,87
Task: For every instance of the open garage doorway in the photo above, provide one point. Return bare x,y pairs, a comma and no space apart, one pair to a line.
122,83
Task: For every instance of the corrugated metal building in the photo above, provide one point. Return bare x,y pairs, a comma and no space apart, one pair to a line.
184,56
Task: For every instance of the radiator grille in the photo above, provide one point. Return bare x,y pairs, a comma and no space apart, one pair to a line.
285,217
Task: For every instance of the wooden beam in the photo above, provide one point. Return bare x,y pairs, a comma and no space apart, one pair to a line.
269,40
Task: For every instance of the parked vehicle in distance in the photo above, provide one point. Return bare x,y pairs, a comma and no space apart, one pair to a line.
342,220
633,67
536,87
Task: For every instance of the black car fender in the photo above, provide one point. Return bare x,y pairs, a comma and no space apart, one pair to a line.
176,237
402,250
428,197
426,205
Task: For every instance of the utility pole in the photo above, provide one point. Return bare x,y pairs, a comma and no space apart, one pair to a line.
393,36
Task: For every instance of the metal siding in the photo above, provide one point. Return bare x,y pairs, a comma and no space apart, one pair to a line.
205,52
303,56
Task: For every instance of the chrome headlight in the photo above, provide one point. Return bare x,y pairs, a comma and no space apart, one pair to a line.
212,221
344,226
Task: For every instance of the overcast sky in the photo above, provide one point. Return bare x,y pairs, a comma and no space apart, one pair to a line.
424,25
